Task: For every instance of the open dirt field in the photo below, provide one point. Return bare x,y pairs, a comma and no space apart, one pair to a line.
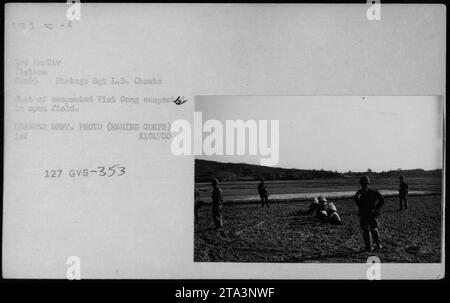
282,233
242,190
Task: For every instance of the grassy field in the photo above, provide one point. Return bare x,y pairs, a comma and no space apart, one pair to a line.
282,233
242,189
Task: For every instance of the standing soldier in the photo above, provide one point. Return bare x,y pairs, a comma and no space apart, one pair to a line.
197,203
403,192
217,203
263,193
369,201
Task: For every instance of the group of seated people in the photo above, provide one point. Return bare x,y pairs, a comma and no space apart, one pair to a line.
324,211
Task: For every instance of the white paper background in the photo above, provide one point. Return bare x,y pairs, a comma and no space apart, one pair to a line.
141,226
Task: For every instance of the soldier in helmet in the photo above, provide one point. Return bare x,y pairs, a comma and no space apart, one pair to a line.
313,206
217,203
263,193
403,193
197,203
325,211
321,212
369,201
333,216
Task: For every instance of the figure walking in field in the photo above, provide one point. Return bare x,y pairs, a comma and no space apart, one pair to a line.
263,193
197,203
217,203
403,193
369,201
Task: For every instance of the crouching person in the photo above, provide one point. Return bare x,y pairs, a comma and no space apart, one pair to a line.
313,206
321,212
328,212
333,216
325,211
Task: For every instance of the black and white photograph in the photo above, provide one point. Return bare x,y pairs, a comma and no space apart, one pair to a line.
271,142
349,177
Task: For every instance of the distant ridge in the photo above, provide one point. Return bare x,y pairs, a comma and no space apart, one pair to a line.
205,170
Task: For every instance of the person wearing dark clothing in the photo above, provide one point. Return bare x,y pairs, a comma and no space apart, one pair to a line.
197,203
333,216
321,212
313,207
403,193
263,194
369,201
217,203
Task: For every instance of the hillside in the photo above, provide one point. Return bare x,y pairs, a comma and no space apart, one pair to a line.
205,170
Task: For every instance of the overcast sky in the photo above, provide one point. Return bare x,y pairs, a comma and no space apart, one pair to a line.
339,132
